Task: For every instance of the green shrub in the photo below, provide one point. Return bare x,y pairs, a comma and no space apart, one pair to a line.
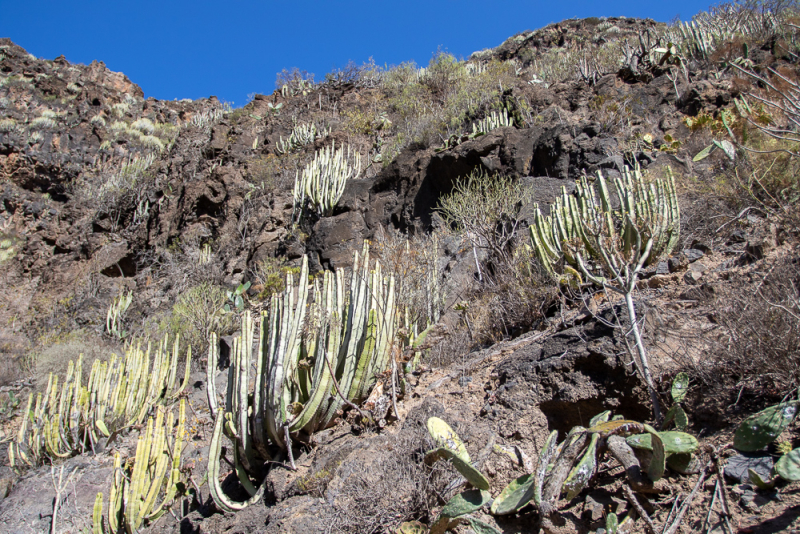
197,313
269,275
487,209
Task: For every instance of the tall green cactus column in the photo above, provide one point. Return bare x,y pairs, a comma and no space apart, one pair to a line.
318,349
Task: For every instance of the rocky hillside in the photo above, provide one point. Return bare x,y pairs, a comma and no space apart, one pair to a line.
125,219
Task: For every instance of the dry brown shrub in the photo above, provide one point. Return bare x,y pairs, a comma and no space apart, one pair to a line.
756,352
514,298
378,490
414,263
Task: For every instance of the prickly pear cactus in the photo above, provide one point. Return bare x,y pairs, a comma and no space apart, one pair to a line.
547,453
445,437
612,523
514,496
469,472
758,481
680,386
761,429
618,427
674,442
678,415
480,527
684,463
583,470
465,503
659,461
466,469
788,467
600,418
411,527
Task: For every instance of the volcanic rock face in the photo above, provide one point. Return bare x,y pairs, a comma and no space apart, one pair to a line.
104,191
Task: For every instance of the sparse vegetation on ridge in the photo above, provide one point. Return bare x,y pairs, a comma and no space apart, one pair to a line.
122,217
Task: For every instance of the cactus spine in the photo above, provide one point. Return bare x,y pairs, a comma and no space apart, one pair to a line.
310,345
65,421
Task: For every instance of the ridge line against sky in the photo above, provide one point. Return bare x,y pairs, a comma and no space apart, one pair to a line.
178,49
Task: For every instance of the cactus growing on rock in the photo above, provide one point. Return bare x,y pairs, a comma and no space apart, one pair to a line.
121,392
322,181
315,352
585,228
155,471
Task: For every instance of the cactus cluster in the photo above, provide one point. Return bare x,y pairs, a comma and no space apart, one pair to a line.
302,135
708,31
644,227
317,349
143,489
493,121
116,310
297,86
563,469
66,420
482,127
322,181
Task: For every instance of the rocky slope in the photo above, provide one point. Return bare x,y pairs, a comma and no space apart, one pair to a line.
104,192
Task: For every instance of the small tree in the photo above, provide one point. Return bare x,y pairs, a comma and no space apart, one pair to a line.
585,228
488,209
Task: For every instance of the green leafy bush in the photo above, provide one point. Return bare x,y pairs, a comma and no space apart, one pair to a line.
198,312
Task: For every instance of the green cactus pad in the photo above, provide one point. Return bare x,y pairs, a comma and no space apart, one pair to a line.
623,427
514,496
480,527
681,419
680,386
445,437
583,470
465,503
674,442
466,469
600,418
678,415
759,482
411,527
658,463
761,429
684,463
469,472
788,467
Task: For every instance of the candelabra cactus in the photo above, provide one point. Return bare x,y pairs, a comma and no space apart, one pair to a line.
302,135
120,392
322,181
622,241
493,121
317,350
155,471
116,310
586,224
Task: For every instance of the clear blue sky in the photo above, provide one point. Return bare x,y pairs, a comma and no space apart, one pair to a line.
179,49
